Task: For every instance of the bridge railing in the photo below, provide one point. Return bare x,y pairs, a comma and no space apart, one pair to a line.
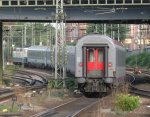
8,3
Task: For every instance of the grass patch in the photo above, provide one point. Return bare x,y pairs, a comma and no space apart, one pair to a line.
9,108
57,93
10,69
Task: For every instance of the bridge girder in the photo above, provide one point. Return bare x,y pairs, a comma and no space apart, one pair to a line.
29,3
102,14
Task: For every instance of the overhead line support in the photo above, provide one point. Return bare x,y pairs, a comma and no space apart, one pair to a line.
60,45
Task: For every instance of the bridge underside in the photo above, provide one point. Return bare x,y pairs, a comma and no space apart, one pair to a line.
95,14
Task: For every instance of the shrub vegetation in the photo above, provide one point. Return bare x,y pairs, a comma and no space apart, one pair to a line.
58,84
141,60
124,102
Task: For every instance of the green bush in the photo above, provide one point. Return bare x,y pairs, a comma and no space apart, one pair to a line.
124,102
55,84
58,84
70,84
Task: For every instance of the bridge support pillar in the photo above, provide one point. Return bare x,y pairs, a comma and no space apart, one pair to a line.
1,50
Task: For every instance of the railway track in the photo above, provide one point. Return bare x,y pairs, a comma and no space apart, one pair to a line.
134,89
146,72
143,71
41,78
28,80
44,72
6,94
70,109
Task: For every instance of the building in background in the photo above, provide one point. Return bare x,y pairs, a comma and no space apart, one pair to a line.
75,31
138,37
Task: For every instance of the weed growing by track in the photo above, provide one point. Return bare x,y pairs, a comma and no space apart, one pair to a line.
125,102
58,84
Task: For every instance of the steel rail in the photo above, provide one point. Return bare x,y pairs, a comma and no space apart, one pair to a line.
11,114
6,94
68,109
31,85
82,110
52,109
136,90
44,80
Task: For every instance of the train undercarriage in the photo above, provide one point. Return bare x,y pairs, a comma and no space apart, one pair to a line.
95,87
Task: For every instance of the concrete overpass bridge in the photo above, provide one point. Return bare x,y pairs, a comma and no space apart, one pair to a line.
122,11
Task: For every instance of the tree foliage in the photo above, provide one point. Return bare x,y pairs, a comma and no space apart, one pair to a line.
111,29
141,60
24,34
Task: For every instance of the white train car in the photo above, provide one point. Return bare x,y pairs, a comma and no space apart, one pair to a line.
20,55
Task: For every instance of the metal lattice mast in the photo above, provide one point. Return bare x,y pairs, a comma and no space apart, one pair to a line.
60,64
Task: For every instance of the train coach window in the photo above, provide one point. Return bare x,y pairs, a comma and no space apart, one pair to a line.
100,55
93,2
40,2
14,2
22,2
91,56
5,2
31,2
84,2
75,1
49,2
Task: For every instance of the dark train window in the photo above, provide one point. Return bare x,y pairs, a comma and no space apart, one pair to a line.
90,55
23,2
31,2
102,1
100,55
146,1
75,1
119,1
128,1
13,2
84,2
93,1
67,1
49,2
5,2
110,1
137,1
40,2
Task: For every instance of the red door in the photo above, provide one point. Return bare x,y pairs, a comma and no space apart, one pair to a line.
95,64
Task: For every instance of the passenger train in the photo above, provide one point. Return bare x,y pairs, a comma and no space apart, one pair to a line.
97,62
